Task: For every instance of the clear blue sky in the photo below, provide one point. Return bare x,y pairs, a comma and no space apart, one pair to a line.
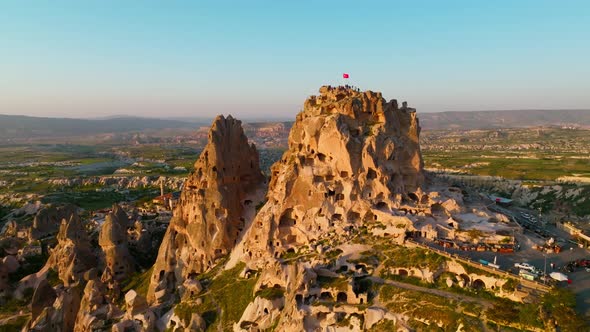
262,58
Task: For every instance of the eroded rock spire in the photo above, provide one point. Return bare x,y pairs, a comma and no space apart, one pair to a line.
215,202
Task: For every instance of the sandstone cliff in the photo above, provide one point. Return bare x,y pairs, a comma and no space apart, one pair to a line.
216,201
351,154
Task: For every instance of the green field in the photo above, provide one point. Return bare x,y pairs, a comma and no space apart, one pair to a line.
536,154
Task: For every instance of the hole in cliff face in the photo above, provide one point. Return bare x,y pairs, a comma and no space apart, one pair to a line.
326,296
371,174
340,197
161,275
317,179
337,216
342,297
287,219
321,157
329,177
299,300
353,216
331,192
478,284
382,206
413,197
343,174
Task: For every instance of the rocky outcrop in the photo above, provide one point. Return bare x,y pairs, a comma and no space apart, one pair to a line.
138,316
8,265
129,182
351,154
73,254
47,220
44,296
95,308
61,317
113,240
216,201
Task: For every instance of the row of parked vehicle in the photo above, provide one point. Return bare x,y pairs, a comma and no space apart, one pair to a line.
577,264
502,248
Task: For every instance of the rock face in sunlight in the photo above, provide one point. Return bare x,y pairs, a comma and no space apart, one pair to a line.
215,202
323,246
73,254
113,240
351,154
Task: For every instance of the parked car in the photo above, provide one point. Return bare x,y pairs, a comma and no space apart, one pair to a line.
525,266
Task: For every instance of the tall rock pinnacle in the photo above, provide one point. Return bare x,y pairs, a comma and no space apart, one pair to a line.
214,204
350,155
72,255
113,240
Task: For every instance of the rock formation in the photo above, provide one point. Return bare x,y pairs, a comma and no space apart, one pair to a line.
351,154
61,317
47,220
138,316
216,201
95,308
73,254
8,265
44,296
113,240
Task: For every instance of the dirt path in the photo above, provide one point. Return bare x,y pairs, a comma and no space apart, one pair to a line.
438,292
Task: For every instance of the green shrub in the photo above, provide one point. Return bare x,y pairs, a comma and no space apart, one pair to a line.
271,293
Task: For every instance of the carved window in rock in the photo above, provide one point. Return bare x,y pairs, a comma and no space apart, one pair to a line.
382,205
287,219
371,174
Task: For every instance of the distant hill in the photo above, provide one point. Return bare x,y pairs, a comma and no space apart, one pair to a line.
503,119
18,126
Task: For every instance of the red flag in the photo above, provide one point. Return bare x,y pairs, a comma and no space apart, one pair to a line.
345,75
